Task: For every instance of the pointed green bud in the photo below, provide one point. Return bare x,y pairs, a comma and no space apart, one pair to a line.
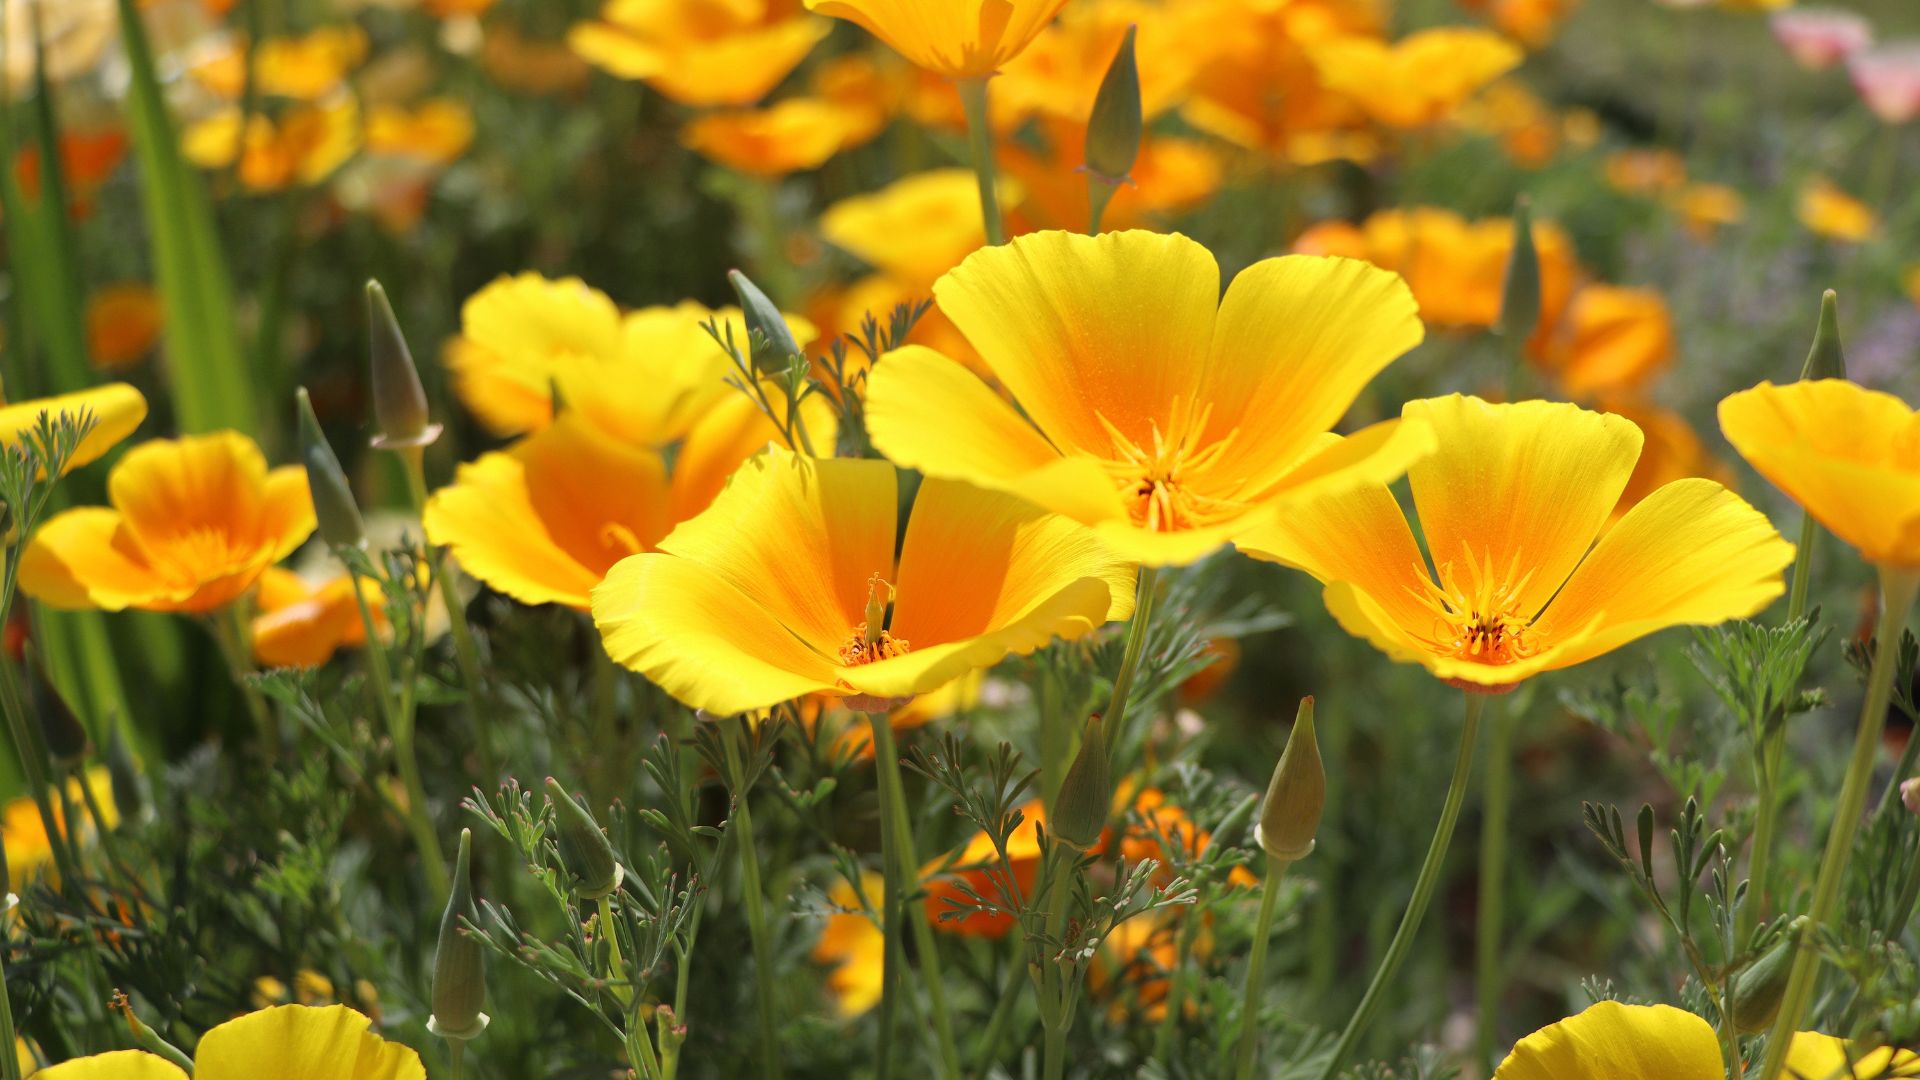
129,791
1757,991
1086,793
67,741
1115,126
333,505
1296,796
459,962
399,401
772,339
146,1038
585,851
1826,360
1520,292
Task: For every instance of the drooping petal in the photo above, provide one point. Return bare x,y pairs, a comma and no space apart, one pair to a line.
701,639
1525,485
115,409
1298,338
801,537
299,1042
117,1065
1611,1041
1849,455
1081,328
930,413
1692,553
84,558
1812,1056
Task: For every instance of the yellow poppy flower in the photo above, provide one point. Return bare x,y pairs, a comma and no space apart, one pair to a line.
436,132
916,228
1611,1041
29,852
123,324
303,625
1060,73
1613,340
307,67
777,590
700,52
115,410
977,865
193,525
1707,208
731,431
330,1043
1418,80
1513,506
644,376
960,39
1847,454
306,146
1256,87
1167,418
1827,211
796,134
853,946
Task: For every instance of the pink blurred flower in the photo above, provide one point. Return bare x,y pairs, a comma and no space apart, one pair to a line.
1888,79
1818,38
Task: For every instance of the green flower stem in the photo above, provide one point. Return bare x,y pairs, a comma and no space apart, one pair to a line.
890,908
973,98
1136,644
1493,880
456,1059
985,1050
756,911
1423,888
32,753
905,870
231,631
1177,978
1897,590
1257,968
1099,194
1055,993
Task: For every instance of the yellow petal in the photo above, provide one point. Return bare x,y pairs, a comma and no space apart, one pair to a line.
701,639
118,1065
851,941
1070,612
1849,455
1078,328
961,39
917,228
1692,553
297,1042
1611,1041
801,537
1376,454
1527,485
83,558
169,487
517,335
1298,338
1359,537
115,410
733,430
1812,1056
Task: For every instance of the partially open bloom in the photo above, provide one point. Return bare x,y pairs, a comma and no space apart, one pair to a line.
782,587
302,624
700,52
1165,417
1166,832
978,866
1834,214
960,39
1845,453
194,524
1888,79
852,945
1818,38
330,1043
1611,1041
113,410
1512,506
1418,80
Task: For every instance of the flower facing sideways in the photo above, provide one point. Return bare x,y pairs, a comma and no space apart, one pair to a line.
781,588
1512,505
960,39
194,524
331,1043
1611,1041
111,413
1167,418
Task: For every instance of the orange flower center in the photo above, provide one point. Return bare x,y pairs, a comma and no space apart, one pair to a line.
870,643
1477,615
1156,478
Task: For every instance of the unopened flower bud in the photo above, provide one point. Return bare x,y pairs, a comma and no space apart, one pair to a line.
399,401
67,741
772,340
1297,794
1113,130
585,851
459,963
1757,991
1826,360
1520,292
333,505
1086,794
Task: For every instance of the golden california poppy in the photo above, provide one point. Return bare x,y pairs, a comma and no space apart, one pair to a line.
115,410
977,864
1845,453
194,524
1609,1041
700,52
1513,506
1830,212
852,945
305,146
795,134
1256,87
302,625
1418,80
1164,416
330,1043
434,132
1613,340
781,587
123,324
960,39
29,851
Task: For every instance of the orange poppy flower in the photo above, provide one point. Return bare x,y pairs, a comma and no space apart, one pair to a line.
302,625
794,135
123,324
435,132
699,52
1827,211
1256,87
960,39
1418,80
852,945
978,865
1613,340
306,146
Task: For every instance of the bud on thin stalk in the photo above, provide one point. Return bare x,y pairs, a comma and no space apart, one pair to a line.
1520,291
333,504
459,964
1086,794
399,401
769,335
585,852
1114,129
1826,360
1297,794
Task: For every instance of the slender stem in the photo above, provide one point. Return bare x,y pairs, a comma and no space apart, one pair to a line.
1052,991
1897,590
1099,193
1054,1052
1177,980
9,1059
1257,968
466,654
1802,568
1768,758
1130,661
1010,992
456,1058
1902,769
886,761
231,631
973,99
890,906
756,912
1493,881
1423,888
